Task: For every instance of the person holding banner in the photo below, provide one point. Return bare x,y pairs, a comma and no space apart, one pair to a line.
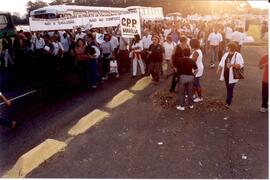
136,49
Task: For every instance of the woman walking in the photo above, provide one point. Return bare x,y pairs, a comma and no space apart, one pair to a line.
186,68
155,58
136,49
231,59
197,57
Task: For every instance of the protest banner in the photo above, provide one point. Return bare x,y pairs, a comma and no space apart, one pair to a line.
130,25
73,23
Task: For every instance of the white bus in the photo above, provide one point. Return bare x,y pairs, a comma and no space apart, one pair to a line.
147,13
62,11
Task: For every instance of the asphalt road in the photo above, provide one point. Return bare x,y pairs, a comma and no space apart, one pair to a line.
143,140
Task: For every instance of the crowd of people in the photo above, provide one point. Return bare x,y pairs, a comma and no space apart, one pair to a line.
183,47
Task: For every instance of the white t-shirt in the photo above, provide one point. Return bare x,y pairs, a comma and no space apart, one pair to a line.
215,39
238,37
168,47
199,62
78,36
167,32
114,42
39,43
147,41
228,33
138,45
57,46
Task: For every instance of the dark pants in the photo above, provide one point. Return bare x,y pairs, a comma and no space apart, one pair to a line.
123,61
83,72
146,61
174,81
105,67
265,94
5,122
93,72
154,68
230,88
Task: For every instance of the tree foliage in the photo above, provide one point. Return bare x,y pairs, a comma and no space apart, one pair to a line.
30,6
59,2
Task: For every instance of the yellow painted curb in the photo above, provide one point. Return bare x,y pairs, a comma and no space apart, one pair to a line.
88,121
119,99
141,84
32,159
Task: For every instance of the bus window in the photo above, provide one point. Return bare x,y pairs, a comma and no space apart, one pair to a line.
3,22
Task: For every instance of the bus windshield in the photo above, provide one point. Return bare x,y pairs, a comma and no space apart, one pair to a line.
3,22
6,25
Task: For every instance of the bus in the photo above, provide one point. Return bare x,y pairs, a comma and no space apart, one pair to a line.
147,13
71,11
174,16
6,24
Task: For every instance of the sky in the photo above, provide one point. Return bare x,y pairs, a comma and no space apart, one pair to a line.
20,5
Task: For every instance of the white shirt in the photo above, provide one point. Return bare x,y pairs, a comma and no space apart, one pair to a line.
78,36
65,42
39,43
168,47
199,62
238,37
114,42
237,57
228,33
147,41
215,39
139,44
167,32
57,46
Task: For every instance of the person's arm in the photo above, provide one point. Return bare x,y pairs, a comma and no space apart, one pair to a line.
221,65
195,56
8,103
239,62
263,62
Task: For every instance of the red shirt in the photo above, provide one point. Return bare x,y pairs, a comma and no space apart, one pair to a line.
264,60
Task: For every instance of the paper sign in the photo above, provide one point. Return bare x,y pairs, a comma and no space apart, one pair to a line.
130,25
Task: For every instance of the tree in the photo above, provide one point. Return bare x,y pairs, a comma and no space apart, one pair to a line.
59,2
30,6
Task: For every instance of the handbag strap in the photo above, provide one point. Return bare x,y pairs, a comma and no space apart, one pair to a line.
235,57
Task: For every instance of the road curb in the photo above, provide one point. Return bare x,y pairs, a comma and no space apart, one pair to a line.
33,158
119,99
88,121
141,84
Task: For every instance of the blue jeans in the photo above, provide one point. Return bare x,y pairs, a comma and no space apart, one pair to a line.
93,72
230,88
185,85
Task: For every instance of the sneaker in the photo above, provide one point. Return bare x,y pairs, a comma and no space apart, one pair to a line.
198,100
133,77
227,106
194,96
180,108
263,110
191,107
